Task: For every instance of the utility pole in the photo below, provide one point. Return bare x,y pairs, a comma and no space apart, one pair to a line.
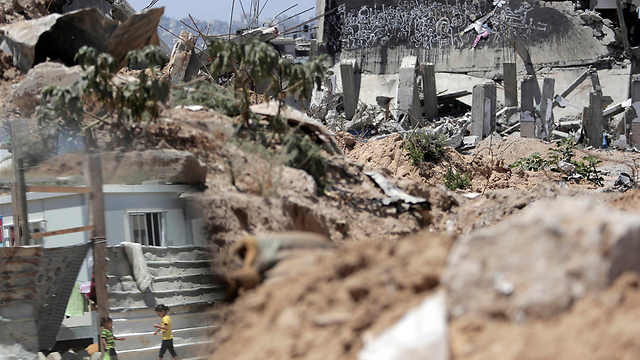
19,193
95,206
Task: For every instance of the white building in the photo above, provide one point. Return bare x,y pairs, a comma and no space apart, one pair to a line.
153,215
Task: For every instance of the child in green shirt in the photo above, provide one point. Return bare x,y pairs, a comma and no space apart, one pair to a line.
108,338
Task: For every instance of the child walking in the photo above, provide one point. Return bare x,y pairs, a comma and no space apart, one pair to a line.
167,336
108,338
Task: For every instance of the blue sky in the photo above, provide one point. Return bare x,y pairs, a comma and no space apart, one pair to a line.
221,9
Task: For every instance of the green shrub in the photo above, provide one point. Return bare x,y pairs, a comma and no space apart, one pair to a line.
589,169
531,163
212,96
453,180
426,147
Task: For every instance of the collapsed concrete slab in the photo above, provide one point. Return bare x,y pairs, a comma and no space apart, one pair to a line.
57,36
538,263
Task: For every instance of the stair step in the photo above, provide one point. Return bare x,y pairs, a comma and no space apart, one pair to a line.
150,300
182,268
179,321
197,350
180,336
178,253
163,293
164,283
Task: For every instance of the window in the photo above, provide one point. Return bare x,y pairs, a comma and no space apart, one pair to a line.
147,228
9,234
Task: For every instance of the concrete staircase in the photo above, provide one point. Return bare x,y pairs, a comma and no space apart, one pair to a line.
182,280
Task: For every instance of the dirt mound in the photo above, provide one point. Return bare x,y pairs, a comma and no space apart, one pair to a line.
600,326
349,296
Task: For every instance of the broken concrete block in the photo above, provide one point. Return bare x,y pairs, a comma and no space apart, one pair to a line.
483,111
554,252
26,94
180,57
420,334
471,141
621,142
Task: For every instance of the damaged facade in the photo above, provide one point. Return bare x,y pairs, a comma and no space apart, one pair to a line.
385,47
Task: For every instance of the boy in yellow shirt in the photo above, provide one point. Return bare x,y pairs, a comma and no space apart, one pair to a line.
167,336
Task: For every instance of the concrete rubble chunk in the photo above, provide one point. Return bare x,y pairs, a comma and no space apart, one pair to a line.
180,57
297,118
553,253
420,334
60,37
26,94
392,191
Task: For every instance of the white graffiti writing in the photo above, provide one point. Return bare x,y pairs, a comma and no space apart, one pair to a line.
427,25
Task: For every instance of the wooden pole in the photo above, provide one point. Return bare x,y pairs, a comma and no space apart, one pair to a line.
93,175
19,194
22,200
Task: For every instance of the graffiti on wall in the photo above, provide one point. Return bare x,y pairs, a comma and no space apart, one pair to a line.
420,24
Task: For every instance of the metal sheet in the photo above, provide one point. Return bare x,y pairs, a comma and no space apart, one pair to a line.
56,277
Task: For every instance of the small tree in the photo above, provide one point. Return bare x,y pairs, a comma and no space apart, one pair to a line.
252,61
126,103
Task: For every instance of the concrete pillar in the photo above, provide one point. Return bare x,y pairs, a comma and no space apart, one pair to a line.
635,88
477,111
510,75
408,98
546,109
349,91
483,110
632,118
594,126
527,123
313,49
430,107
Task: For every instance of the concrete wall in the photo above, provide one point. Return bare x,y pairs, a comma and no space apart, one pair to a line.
379,33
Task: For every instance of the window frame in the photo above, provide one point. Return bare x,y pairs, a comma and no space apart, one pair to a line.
130,228
8,239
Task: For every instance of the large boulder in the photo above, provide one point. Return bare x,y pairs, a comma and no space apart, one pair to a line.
538,263
26,94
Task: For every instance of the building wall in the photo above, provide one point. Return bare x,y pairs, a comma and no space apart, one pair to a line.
379,33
